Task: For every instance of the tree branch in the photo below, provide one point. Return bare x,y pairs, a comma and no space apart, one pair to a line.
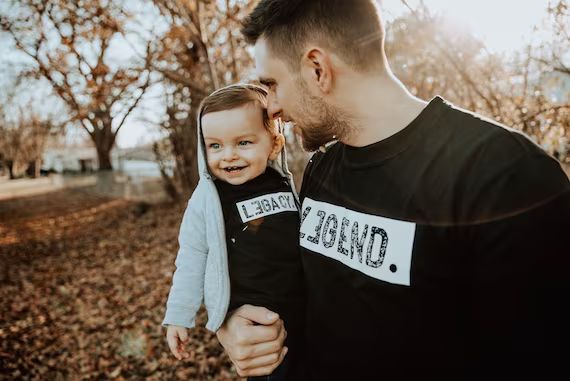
144,87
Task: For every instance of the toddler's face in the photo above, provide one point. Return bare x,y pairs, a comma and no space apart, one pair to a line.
237,144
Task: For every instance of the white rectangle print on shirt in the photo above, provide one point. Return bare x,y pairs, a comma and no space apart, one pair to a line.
376,246
266,205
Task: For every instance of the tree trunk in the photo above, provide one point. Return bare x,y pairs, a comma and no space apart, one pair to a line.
38,167
33,170
104,140
184,145
167,181
10,165
191,153
104,157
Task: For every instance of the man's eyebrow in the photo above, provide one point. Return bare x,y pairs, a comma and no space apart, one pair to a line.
267,81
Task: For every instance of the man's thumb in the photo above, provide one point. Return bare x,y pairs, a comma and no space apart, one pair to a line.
255,314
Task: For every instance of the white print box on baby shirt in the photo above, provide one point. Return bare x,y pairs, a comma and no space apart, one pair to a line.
376,246
266,205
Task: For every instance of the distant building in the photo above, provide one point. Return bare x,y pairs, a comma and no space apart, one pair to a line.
70,159
82,158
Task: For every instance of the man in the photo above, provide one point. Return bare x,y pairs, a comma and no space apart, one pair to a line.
432,239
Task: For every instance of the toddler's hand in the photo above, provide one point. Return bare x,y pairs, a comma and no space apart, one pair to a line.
177,337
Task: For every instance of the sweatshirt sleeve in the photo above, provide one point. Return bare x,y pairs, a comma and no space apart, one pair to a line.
520,268
187,290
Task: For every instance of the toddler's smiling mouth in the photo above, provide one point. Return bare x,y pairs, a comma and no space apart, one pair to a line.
233,169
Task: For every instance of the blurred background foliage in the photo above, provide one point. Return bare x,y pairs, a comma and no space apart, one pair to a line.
91,65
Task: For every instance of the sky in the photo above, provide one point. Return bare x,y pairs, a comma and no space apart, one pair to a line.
504,26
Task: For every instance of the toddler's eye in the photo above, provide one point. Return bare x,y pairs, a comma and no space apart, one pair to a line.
214,145
244,142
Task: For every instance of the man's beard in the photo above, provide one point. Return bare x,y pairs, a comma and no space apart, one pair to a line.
319,122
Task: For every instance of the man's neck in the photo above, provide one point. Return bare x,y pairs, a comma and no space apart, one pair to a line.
379,107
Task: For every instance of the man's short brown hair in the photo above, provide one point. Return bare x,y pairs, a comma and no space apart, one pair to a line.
352,29
237,95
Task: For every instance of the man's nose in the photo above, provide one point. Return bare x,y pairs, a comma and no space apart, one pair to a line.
273,107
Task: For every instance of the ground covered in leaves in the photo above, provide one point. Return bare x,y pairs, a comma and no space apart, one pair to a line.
83,284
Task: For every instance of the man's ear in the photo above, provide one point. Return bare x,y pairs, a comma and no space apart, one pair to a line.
316,69
278,143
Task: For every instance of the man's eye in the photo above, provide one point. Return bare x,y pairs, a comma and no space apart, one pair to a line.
214,145
269,86
244,142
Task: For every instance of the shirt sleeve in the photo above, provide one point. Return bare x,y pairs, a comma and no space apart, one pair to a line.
520,258
187,290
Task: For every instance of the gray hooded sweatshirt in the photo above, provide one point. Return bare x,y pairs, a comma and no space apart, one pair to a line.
201,273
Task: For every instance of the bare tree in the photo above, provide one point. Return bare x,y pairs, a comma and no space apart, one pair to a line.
553,53
69,44
430,61
22,141
201,51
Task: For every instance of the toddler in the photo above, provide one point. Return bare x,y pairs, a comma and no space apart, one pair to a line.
239,237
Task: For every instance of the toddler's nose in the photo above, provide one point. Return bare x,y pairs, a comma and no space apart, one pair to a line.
230,154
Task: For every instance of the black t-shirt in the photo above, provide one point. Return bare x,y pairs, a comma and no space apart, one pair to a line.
437,253
262,235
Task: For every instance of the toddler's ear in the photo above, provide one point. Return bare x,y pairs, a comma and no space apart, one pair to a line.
278,143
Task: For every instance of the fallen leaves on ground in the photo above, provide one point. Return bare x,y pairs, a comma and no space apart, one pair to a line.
83,284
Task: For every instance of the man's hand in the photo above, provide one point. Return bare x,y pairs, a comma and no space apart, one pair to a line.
253,338
177,337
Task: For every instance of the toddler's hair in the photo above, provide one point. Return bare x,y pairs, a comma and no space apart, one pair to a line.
237,95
